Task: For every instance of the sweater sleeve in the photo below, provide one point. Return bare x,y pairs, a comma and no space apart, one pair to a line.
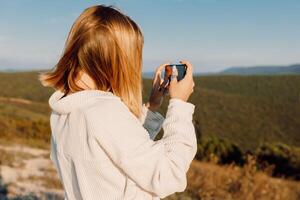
158,167
152,121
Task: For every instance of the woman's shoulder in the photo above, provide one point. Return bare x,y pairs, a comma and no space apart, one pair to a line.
110,115
106,108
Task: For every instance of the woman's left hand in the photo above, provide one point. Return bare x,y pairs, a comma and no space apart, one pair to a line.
157,94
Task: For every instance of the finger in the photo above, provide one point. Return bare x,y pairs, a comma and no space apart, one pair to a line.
158,72
161,81
162,66
157,79
163,85
189,69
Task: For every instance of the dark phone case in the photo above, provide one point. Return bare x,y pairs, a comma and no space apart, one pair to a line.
181,68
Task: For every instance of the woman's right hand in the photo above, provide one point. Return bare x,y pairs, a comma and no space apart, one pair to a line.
184,88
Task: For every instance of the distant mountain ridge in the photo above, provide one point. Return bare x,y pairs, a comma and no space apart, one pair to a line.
263,70
251,70
254,70
151,74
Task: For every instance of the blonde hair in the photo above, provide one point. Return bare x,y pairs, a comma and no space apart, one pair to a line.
107,45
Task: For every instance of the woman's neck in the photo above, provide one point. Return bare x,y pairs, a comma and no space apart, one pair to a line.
85,81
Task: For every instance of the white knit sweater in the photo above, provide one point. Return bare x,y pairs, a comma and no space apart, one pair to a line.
103,152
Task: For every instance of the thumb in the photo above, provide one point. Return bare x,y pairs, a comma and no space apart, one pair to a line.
174,75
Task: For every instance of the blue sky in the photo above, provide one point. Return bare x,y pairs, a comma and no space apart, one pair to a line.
212,34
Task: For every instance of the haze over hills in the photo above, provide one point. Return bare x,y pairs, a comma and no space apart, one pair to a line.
251,70
254,70
263,70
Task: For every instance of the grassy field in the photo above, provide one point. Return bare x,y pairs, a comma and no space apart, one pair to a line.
247,110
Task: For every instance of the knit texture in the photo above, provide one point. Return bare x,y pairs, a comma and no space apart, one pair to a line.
102,151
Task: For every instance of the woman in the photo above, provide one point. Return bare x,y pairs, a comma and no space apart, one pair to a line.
102,141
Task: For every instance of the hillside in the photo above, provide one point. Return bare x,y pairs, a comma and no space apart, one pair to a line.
23,85
246,110
263,70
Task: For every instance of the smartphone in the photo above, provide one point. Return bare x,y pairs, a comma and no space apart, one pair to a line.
181,69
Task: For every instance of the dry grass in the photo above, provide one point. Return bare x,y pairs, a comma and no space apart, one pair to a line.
50,180
47,181
208,181
6,158
13,159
